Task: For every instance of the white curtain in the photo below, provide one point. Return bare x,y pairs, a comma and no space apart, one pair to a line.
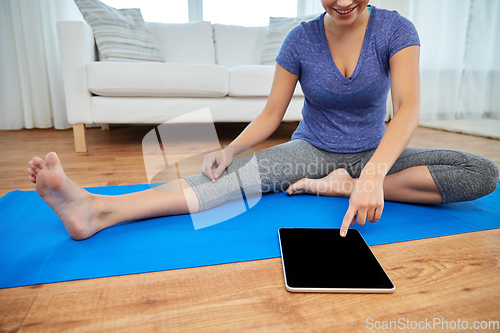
459,57
31,87
309,7
480,89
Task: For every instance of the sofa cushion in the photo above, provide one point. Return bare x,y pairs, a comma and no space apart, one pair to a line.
276,32
157,79
237,45
189,43
126,110
120,34
253,80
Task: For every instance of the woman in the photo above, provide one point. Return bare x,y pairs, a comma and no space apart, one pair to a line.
346,60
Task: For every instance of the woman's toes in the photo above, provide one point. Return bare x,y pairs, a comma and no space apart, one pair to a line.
35,166
292,189
298,187
32,179
52,160
31,172
39,163
32,165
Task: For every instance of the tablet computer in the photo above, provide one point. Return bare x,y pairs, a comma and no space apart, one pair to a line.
319,260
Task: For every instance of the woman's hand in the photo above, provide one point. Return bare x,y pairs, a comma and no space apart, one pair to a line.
214,163
260,128
366,202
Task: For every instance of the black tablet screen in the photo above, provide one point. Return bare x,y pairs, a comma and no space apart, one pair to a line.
320,258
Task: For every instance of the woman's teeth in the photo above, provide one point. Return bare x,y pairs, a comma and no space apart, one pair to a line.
344,11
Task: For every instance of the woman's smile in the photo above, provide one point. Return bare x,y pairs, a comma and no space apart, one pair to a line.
344,12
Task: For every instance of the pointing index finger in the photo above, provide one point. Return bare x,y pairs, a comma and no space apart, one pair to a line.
349,216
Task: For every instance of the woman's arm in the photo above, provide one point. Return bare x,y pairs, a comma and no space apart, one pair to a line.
405,89
261,127
367,199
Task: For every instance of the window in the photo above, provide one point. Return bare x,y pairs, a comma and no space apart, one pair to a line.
247,13
236,12
167,11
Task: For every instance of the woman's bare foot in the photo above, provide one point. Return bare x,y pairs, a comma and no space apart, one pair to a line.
76,208
338,183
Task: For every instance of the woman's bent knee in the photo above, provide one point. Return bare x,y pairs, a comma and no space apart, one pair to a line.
490,176
467,177
484,177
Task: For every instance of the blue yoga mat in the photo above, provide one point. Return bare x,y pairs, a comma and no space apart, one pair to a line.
35,247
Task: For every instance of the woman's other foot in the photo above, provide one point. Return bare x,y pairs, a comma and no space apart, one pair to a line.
338,183
76,208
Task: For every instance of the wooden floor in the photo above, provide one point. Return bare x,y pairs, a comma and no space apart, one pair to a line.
448,278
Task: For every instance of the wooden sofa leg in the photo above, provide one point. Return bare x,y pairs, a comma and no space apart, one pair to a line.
79,134
105,127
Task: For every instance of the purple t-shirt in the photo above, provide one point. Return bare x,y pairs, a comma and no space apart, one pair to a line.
340,114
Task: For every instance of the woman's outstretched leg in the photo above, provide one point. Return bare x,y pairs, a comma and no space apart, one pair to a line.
84,214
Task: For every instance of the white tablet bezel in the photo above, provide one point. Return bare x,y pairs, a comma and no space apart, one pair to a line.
335,290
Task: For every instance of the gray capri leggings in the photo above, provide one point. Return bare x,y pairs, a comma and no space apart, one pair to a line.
459,175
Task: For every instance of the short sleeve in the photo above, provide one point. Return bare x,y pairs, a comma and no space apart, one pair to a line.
288,55
403,35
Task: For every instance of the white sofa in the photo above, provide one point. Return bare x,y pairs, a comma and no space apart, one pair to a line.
215,66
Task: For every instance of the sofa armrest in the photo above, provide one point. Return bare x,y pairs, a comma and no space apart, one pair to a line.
77,47
388,114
